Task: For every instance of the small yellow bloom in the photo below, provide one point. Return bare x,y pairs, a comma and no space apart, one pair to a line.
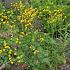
17,39
11,62
7,21
10,38
15,53
65,61
22,33
1,14
5,17
11,3
1,51
4,22
37,51
65,17
10,52
19,42
15,49
33,49
8,12
5,43
18,61
9,55
18,57
20,4
1,19
41,39
10,58
30,24
49,12
7,47
22,21
34,52
30,46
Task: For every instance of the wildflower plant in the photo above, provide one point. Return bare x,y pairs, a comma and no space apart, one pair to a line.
21,42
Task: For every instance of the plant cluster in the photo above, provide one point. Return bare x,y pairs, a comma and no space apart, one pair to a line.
34,35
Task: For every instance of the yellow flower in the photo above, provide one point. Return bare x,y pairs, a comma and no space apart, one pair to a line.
58,10
18,57
10,3
7,21
65,17
7,47
10,38
18,61
10,58
15,53
41,39
33,14
1,51
9,55
65,61
34,52
49,12
1,19
17,39
20,3
22,21
15,49
22,33
25,27
5,17
25,11
30,46
8,12
1,14
19,42
4,22
5,43
33,49
11,62
10,51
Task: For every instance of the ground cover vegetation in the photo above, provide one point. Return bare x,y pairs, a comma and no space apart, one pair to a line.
33,35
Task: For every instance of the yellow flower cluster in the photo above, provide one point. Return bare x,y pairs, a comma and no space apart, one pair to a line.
9,52
5,45
17,41
27,17
12,20
35,51
54,16
3,18
41,39
10,59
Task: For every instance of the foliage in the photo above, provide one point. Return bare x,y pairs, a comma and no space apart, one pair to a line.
35,35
